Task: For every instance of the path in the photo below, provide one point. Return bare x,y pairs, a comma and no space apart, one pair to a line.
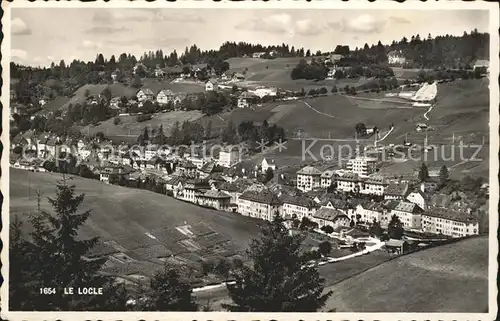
428,111
387,134
317,111
378,245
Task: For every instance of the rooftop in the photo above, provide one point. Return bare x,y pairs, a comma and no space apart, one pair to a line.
309,170
448,214
264,197
328,214
408,207
300,200
397,189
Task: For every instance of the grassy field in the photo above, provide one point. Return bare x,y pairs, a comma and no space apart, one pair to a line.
449,278
140,227
129,126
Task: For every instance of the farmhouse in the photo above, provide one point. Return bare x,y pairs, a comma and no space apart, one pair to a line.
211,85
396,58
448,222
238,76
266,164
117,173
409,214
145,94
245,99
482,65
263,205
165,96
329,216
298,207
308,178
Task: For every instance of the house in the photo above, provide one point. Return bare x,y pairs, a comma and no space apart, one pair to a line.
362,165
263,205
409,214
327,178
349,182
263,92
308,178
329,216
191,188
298,207
114,103
211,85
449,222
331,73
228,157
482,64
238,76
245,99
258,54
396,246
224,77
370,211
207,169
175,184
165,96
266,164
396,191
214,199
145,94
111,173
420,198
396,58
187,169
374,185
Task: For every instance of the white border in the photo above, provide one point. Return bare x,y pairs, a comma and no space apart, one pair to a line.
288,4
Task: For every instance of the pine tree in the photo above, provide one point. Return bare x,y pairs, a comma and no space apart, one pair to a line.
57,259
443,176
423,173
169,293
280,279
395,228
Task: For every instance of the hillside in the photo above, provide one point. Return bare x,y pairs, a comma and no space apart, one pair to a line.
140,227
449,278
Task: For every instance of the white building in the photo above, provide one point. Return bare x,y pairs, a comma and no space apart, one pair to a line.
362,165
374,185
229,157
145,94
308,178
211,85
332,217
396,58
327,178
370,211
420,198
298,207
349,182
448,222
409,214
266,164
262,205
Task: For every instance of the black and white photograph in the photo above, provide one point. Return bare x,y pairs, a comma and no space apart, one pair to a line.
291,157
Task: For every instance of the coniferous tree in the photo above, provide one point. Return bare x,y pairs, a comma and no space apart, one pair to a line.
280,279
443,176
423,173
58,258
169,293
395,228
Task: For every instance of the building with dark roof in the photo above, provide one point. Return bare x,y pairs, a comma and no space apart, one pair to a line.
329,216
263,205
214,199
397,191
308,178
298,207
449,222
409,214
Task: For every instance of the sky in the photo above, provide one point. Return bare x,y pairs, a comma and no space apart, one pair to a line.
43,35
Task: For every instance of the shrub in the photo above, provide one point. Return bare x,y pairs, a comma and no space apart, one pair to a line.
141,118
116,121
